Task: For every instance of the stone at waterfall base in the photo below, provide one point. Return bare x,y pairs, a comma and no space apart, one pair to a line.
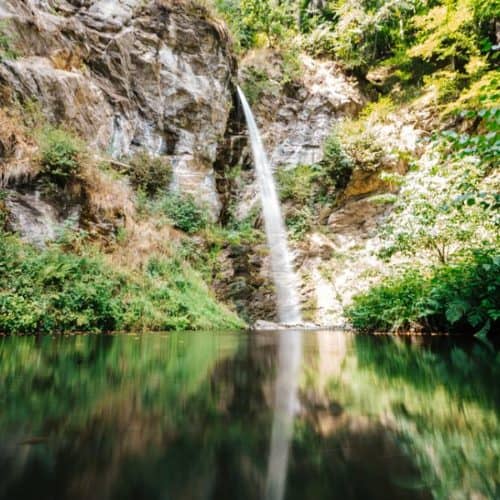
262,325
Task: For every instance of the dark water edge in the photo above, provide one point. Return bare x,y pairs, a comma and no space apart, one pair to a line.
190,415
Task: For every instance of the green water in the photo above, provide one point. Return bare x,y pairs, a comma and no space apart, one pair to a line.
189,416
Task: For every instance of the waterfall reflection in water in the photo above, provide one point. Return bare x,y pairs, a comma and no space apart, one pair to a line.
290,342
285,407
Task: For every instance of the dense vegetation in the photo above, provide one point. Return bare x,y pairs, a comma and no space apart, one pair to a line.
458,297
416,36
55,291
454,225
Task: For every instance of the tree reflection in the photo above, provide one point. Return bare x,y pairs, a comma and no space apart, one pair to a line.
190,416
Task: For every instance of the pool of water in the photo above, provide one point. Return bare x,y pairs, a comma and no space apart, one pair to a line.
294,415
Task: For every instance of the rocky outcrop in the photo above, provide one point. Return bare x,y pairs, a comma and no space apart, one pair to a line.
296,120
128,74
296,114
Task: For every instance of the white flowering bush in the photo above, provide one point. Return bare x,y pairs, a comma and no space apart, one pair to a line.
449,202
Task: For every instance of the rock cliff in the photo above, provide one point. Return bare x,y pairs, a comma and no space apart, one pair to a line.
127,75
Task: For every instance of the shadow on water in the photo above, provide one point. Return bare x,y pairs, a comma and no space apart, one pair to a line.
225,416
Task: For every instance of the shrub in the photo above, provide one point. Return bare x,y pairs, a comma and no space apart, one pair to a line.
465,296
151,174
61,154
462,297
337,162
395,304
299,222
297,184
184,212
52,291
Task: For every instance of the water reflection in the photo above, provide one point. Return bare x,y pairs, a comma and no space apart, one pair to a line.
226,416
285,407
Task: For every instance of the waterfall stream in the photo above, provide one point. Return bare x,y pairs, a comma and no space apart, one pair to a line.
284,277
290,342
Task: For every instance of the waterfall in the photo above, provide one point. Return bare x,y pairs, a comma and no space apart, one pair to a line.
284,277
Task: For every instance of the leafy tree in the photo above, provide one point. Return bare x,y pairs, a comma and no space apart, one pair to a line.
449,204
447,33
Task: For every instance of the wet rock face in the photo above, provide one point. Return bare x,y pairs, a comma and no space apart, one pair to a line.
296,121
296,118
128,74
245,282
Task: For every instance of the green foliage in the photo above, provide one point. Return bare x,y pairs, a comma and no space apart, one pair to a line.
395,304
299,222
258,22
54,291
484,146
6,44
461,297
446,33
184,212
368,31
308,188
297,184
481,94
61,154
450,204
291,66
466,296
448,85
410,38
337,163
169,295
316,184
151,174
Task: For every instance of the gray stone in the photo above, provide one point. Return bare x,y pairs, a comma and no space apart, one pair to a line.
128,74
